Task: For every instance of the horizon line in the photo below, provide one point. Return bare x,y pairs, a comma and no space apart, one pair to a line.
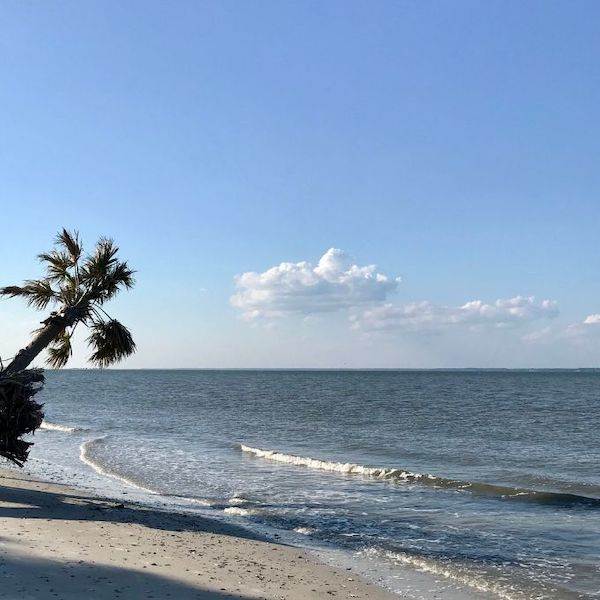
326,369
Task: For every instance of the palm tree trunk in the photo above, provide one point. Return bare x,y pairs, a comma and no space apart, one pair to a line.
54,326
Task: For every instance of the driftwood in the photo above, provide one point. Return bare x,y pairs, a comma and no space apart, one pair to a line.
20,414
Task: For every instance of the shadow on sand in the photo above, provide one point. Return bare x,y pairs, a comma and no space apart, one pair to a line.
46,579
30,503
26,577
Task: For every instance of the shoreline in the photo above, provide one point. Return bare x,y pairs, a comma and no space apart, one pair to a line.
59,541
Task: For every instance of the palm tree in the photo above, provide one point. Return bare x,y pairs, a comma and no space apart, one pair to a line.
77,288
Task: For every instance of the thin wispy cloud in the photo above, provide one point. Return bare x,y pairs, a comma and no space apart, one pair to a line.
427,316
580,332
588,328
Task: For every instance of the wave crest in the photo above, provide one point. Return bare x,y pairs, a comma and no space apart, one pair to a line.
239,511
403,476
57,427
323,465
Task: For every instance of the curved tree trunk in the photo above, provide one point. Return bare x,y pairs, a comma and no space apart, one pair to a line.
54,326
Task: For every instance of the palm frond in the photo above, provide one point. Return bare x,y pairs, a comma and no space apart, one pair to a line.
120,276
71,243
57,265
37,292
59,354
70,293
103,274
111,342
99,264
12,291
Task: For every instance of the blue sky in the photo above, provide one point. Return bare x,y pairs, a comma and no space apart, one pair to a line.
454,145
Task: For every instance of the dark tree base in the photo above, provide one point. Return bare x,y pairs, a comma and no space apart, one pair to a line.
20,414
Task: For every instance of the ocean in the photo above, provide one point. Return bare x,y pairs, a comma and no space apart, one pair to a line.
482,484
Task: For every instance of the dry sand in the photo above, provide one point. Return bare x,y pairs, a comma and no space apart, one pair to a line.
59,542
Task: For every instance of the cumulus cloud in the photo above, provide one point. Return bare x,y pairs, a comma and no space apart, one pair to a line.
592,320
335,283
426,316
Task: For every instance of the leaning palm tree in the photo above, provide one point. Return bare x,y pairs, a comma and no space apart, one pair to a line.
77,288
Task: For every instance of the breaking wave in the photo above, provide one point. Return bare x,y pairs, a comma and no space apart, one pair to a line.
238,500
57,427
402,476
349,468
305,530
191,499
239,511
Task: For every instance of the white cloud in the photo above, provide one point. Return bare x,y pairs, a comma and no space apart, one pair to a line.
335,283
576,333
426,316
301,288
592,320
588,328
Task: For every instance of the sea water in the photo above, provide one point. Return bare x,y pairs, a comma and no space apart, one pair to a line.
478,483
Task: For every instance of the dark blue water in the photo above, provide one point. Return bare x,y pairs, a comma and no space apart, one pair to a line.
488,481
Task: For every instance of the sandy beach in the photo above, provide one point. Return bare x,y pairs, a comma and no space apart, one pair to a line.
59,542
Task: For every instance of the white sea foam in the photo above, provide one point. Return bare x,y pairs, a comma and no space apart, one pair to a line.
57,427
189,499
237,500
84,456
239,511
201,501
323,465
305,530
439,569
